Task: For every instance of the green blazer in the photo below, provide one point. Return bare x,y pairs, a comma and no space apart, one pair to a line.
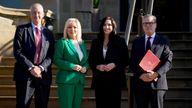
65,57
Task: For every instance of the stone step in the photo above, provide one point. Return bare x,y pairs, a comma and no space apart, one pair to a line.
8,63
182,62
8,70
173,81
177,52
173,92
87,102
177,35
180,82
180,71
175,71
9,90
176,92
183,52
180,44
169,35
8,80
178,103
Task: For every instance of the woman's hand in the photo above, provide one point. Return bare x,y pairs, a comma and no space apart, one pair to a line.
77,68
100,67
106,68
109,67
83,70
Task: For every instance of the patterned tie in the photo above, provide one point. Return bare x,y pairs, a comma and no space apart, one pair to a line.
38,41
148,45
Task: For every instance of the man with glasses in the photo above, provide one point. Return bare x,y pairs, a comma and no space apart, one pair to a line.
149,86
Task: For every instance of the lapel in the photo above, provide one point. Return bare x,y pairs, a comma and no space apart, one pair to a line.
43,42
84,51
142,44
100,47
109,50
31,34
155,43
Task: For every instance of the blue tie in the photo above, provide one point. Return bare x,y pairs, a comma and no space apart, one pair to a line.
148,45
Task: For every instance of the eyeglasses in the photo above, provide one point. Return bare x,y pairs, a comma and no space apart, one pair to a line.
148,23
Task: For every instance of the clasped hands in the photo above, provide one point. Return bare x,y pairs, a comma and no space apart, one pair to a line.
80,69
36,71
149,76
105,67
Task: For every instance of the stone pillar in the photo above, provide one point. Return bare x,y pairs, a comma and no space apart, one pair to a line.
190,15
110,8
95,19
83,13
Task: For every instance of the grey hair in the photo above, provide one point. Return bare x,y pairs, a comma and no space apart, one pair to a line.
35,5
150,15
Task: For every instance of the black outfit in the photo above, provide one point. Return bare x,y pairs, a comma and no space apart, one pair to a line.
24,48
150,92
108,85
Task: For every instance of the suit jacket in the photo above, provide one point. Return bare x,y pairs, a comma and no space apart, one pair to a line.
117,53
24,49
161,49
65,57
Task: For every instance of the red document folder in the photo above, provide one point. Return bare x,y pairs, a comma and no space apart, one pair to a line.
149,61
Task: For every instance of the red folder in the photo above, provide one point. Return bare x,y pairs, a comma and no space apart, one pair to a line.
149,61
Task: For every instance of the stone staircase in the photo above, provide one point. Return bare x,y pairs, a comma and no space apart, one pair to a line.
179,94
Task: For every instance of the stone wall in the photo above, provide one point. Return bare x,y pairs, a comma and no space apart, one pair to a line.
9,19
62,9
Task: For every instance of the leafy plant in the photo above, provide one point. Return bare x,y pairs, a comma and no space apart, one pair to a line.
96,3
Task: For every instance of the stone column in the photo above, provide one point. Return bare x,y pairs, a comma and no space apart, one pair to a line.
83,13
190,15
110,8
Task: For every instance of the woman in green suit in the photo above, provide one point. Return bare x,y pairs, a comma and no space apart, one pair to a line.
71,58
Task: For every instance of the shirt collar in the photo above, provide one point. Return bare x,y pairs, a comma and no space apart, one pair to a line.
34,26
152,36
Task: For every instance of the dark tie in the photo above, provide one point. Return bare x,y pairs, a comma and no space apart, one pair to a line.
38,45
148,44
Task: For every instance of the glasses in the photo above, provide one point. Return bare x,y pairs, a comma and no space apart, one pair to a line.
148,23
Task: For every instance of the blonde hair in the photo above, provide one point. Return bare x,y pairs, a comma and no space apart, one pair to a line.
79,32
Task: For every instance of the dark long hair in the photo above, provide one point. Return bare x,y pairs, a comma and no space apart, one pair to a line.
101,32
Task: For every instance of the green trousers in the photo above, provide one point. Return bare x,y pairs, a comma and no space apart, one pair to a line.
70,96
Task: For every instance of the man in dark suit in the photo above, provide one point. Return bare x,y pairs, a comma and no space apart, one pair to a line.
33,50
150,86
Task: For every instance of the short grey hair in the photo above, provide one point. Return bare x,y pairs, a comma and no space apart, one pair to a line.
36,5
150,15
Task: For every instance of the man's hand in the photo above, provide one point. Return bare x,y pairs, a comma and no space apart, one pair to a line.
145,77
153,75
36,72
